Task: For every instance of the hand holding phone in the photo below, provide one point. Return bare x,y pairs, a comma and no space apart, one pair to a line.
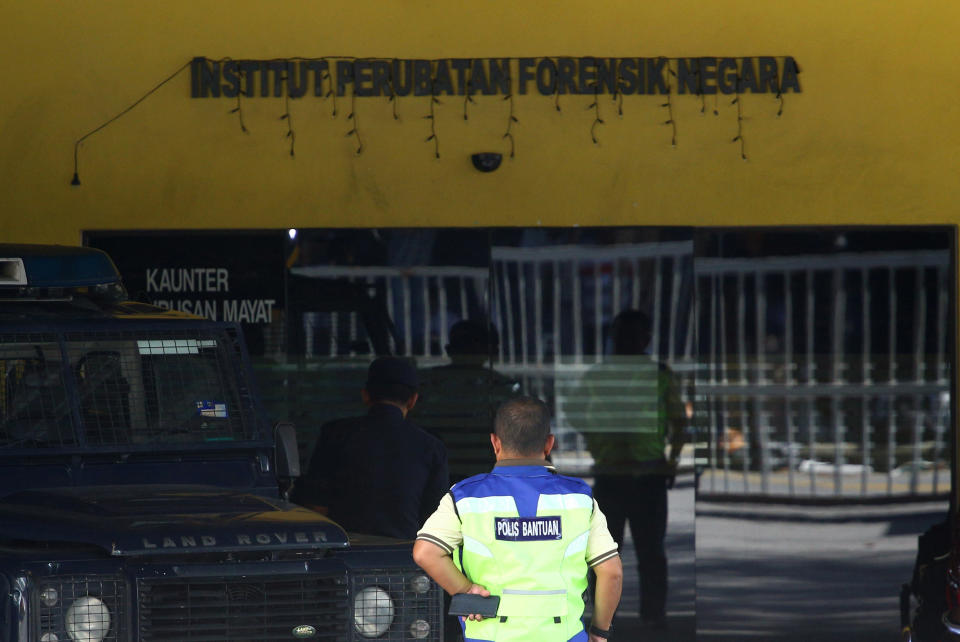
471,604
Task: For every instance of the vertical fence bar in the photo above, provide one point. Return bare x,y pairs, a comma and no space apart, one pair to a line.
919,338
464,306
481,287
942,410
943,297
866,377
577,314
837,376
788,377
353,334
522,301
407,310
508,313
334,331
615,297
557,319
496,308
917,445
692,327
838,454
353,322
811,380
760,313
597,312
712,415
892,380
742,376
657,301
309,331
920,326
809,421
637,267
427,315
391,305
674,306
721,398
939,375
538,316
442,287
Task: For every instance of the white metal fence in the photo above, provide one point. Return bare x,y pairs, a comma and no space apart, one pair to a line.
554,303
422,302
826,375
814,375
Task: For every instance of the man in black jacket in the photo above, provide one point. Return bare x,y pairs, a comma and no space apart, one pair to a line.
379,473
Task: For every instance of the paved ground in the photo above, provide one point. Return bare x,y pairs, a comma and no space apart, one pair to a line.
781,572
801,573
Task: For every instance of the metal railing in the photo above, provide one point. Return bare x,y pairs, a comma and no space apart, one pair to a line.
422,302
553,305
825,375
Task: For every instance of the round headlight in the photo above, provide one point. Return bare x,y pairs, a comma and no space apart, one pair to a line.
419,629
88,620
420,584
49,637
372,612
49,596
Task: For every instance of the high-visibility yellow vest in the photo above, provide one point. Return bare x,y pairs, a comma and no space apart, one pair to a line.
525,534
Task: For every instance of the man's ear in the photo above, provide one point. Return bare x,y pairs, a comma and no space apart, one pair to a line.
495,442
412,401
366,397
548,446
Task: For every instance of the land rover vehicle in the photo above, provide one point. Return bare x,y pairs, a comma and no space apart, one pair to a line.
142,491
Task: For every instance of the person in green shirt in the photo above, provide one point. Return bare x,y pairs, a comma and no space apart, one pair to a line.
628,409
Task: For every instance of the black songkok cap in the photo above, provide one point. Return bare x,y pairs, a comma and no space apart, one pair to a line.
390,370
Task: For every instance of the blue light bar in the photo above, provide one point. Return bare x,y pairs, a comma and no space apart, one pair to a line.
55,266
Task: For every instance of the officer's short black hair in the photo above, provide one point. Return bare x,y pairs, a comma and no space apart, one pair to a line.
523,425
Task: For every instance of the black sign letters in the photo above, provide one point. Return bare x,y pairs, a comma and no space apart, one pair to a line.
491,76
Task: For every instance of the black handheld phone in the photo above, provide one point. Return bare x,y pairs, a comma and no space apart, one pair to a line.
470,603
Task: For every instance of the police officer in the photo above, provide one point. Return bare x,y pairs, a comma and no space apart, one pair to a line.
379,473
525,534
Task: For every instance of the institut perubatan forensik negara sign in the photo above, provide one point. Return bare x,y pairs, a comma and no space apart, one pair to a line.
492,76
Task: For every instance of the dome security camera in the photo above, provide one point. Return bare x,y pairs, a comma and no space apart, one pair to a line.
486,161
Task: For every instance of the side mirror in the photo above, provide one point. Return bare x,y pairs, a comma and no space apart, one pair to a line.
287,454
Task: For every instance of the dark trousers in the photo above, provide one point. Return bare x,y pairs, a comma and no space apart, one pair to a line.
641,500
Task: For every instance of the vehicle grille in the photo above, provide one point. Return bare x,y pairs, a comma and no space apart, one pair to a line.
239,609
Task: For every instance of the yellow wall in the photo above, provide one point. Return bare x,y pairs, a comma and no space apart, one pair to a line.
872,138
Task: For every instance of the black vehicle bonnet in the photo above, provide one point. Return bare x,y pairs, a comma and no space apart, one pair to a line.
164,519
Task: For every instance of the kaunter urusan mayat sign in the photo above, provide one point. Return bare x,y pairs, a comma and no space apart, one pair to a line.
319,77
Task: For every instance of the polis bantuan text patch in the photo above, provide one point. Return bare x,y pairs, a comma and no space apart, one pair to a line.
527,529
